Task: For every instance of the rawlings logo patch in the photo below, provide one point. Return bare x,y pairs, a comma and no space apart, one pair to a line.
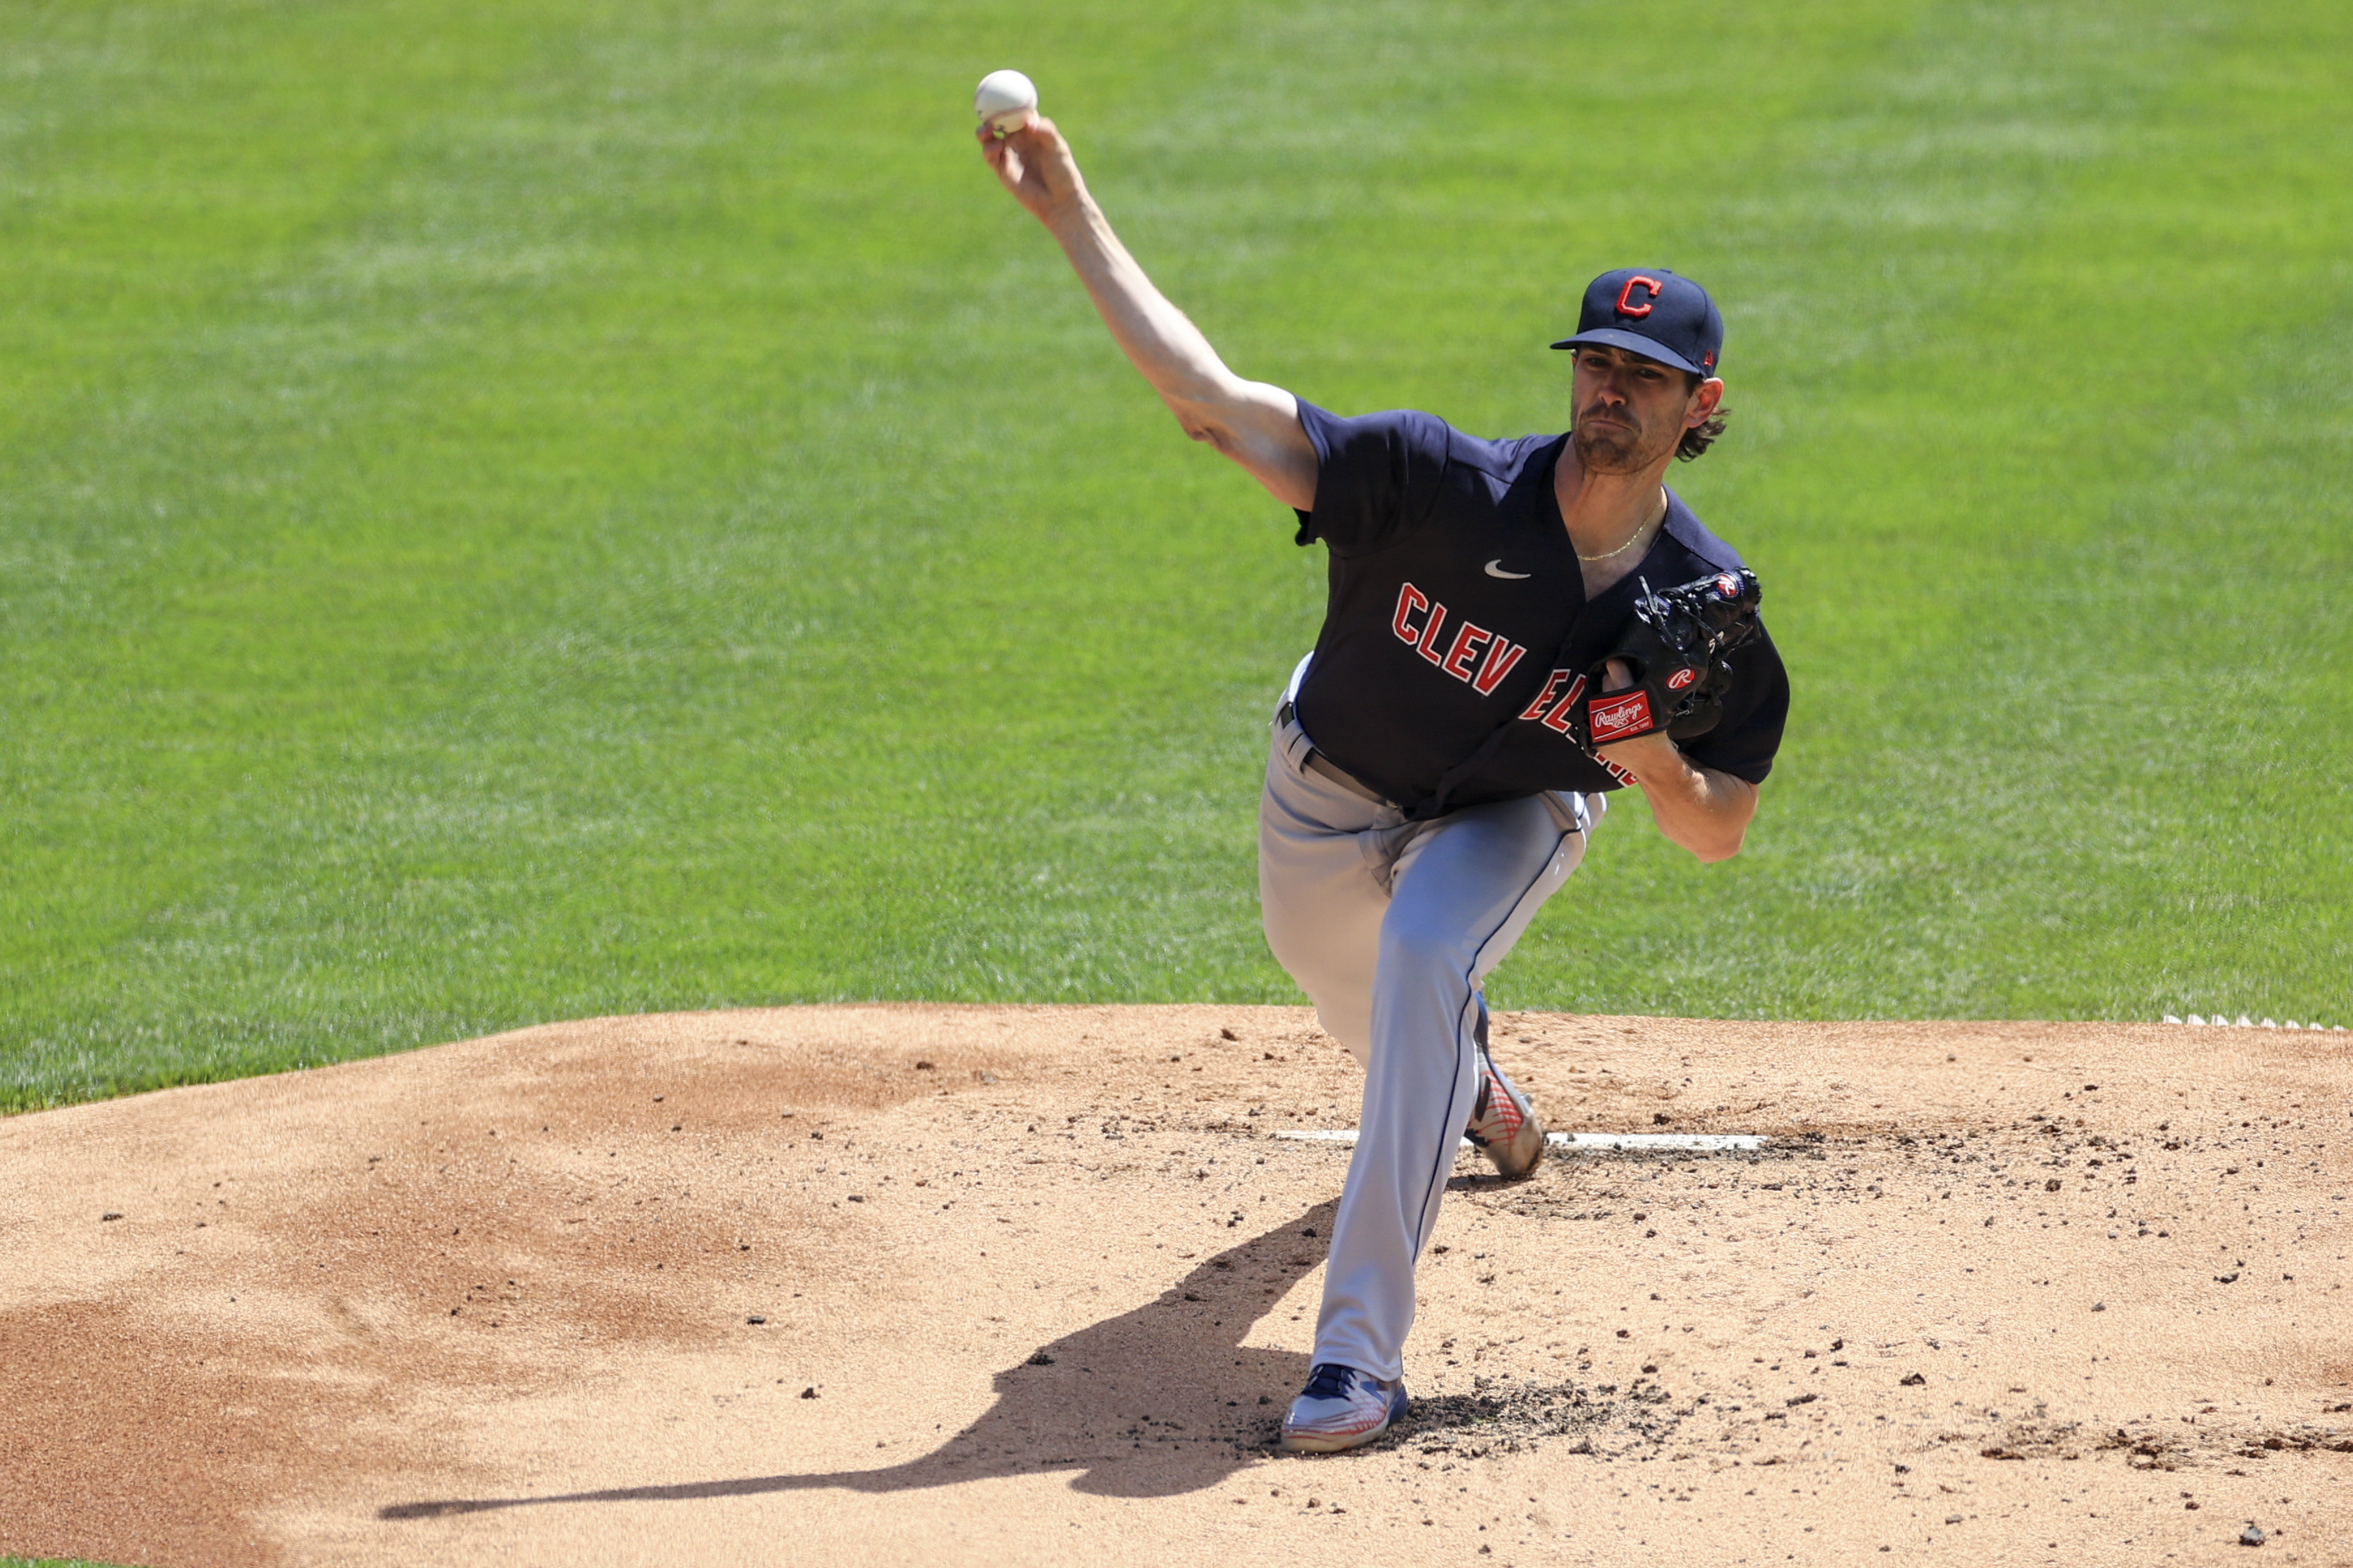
1682,679
1616,718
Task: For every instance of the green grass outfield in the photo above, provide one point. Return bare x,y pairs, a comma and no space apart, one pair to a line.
515,509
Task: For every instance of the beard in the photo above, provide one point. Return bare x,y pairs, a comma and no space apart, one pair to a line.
1616,449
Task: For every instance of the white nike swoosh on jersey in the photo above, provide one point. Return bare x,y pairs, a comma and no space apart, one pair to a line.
1495,569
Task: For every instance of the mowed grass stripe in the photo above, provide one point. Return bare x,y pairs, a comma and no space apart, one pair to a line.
520,511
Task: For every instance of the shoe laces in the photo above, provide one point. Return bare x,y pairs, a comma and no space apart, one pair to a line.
1328,1380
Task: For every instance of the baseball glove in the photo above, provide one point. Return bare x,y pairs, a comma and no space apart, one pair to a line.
1675,647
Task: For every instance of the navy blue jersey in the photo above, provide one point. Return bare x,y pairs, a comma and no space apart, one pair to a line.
1457,604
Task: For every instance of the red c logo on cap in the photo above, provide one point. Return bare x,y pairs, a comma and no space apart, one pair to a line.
1626,306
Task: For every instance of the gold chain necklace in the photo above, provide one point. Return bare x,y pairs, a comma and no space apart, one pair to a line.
1620,551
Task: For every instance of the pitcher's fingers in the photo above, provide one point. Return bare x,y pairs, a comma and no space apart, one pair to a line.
990,138
1003,159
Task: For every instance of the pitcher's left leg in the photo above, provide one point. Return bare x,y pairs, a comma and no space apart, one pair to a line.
1463,894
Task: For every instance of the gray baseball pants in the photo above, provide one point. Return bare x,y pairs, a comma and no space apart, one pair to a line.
1391,927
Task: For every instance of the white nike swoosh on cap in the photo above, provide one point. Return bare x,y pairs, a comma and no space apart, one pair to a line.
1495,569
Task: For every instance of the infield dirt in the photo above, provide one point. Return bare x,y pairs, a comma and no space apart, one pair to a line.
995,1284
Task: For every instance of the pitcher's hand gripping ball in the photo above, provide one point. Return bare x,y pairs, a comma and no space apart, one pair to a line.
1675,648
1005,101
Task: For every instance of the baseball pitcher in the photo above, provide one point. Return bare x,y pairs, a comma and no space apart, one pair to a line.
1515,629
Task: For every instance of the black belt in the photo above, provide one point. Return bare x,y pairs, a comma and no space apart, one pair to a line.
1324,767
1572,819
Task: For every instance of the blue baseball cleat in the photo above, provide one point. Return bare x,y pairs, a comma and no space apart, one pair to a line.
1341,1407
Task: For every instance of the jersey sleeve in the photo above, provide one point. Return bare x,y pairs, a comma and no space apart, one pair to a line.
1745,739
1377,476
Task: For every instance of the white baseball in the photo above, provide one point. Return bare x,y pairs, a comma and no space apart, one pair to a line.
1004,101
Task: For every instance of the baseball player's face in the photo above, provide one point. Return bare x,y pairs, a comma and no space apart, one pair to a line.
1630,411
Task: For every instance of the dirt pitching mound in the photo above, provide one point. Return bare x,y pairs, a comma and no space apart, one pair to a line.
1032,1284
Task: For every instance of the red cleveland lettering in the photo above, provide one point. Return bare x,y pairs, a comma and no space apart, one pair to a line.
1501,654
1468,641
1557,719
1409,602
1428,645
1543,699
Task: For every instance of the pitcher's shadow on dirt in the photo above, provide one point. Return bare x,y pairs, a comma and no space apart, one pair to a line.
1155,1402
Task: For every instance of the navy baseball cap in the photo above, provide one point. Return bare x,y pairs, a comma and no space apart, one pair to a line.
1650,311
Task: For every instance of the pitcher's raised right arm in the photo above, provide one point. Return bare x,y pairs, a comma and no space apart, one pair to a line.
1254,423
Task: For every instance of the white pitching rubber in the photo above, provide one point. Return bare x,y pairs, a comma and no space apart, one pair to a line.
1680,1142
1702,1143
